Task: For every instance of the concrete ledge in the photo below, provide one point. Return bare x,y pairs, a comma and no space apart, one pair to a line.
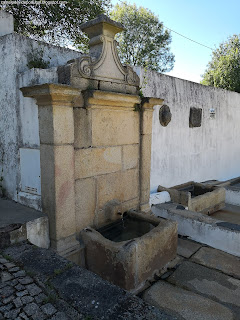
202,228
19,223
232,190
233,196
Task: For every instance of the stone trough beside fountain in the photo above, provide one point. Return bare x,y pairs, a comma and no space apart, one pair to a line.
130,251
197,196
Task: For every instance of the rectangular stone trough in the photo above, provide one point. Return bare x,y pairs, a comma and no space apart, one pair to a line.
130,252
197,196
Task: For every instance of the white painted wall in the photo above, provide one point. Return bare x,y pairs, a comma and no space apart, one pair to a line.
180,153
19,115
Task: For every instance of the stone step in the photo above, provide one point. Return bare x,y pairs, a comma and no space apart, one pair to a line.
185,304
19,223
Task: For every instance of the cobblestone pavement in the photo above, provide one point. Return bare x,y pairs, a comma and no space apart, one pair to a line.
21,298
38,284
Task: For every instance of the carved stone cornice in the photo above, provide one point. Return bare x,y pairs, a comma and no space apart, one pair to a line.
52,94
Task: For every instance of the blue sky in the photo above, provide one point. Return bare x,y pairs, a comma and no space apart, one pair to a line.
206,21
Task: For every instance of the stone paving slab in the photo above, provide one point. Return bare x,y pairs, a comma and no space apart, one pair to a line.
219,260
208,282
187,248
185,304
50,287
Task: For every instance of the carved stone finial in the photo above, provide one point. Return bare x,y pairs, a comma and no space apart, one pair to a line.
103,62
102,25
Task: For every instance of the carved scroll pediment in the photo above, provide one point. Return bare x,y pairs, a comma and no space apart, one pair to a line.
103,62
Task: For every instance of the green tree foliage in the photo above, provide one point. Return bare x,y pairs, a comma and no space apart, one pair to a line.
223,71
55,23
144,42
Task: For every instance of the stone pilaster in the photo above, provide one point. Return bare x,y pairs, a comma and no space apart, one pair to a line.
145,149
56,127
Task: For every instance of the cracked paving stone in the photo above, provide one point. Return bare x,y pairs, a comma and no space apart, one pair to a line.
12,282
12,314
33,289
22,293
6,291
26,299
31,309
19,274
19,287
26,280
39,316
2,260
14,269
2,285
9,265
59,316
23,316
48,309
6,276
40,298
9,299
7,307
18,302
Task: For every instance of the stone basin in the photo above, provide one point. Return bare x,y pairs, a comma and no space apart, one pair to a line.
197,196
130,255
127,228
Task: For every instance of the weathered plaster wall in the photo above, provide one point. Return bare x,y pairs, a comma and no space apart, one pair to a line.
18,115
180,153
6,21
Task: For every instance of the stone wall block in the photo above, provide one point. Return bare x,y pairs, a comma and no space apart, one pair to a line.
64,189
111,86
121,186
46,132
130,204
58,125
96,161
58,189
85,202
82,127
48,185
145,167
147,122
130,156
114,127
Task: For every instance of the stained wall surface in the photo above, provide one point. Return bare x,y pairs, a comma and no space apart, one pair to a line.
181,153
18,115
